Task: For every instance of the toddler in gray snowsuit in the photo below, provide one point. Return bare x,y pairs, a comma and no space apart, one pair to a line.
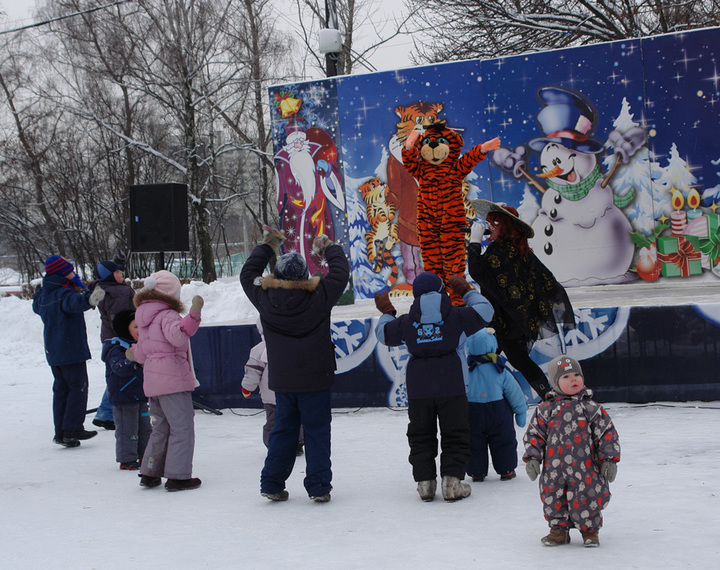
574,439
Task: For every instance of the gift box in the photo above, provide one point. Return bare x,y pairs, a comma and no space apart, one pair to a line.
679,256
710,245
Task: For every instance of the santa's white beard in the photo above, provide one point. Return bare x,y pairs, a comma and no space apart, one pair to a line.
303,169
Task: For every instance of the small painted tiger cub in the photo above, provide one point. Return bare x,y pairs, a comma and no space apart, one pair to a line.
382,236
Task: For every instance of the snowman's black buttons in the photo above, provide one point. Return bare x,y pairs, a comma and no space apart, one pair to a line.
558,198
548,248
553,213
548,230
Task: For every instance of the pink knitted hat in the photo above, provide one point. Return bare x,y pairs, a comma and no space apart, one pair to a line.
164,282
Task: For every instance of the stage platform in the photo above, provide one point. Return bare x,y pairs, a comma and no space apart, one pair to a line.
637,342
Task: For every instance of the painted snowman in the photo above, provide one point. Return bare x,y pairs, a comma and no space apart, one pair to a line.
581,233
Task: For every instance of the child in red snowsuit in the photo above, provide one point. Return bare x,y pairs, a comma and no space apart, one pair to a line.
575,441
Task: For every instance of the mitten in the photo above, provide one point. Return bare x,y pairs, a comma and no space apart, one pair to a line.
520,419
129,354
412,138
609,470
274,238
492,144
246,393
97,295
320,243
383,304
197,304
459,285
477,231
532,468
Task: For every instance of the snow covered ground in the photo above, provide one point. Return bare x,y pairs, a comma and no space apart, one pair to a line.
73,508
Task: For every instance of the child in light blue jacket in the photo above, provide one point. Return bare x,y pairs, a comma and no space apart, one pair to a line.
493,396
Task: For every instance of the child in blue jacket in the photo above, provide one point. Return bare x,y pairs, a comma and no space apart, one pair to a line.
493,397
125,391
434,332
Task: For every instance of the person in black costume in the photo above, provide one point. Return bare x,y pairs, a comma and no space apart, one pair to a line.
529,303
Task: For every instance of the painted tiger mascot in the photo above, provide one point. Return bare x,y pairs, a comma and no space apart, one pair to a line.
383,230
433,158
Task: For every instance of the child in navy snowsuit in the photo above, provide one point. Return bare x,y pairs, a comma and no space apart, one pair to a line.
434,332
493,397
61,302
575,441
125,391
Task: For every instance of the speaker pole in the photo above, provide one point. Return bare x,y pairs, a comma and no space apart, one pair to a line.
161,260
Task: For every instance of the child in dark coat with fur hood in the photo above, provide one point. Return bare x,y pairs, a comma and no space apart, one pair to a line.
163,348
575,441
124,380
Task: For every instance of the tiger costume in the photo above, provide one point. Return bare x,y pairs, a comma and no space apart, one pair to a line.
383,231
434,160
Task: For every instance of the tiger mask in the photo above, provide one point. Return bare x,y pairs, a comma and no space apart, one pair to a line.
440,143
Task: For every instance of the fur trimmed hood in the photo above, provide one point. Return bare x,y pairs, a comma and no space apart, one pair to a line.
272,282
150,295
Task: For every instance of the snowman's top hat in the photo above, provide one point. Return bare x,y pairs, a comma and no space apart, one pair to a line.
566,119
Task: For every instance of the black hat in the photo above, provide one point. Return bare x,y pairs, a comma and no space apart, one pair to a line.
291,266
484,207
121,323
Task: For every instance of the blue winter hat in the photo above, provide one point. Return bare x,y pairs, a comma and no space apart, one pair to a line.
106,269
291,266
427,282
58,264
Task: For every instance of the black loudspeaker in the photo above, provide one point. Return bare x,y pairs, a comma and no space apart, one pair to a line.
159,218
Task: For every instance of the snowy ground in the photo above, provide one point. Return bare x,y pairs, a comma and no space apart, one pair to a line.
73,508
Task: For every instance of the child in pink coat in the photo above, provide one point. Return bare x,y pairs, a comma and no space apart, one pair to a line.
163,348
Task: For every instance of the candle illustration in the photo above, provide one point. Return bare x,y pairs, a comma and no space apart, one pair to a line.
678,219
693,201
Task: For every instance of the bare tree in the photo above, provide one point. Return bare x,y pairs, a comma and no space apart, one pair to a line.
464,29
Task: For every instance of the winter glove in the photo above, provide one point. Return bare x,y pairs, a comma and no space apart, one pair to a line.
96,296
520,419
129,354
383,304
274,238
609,470
459,285
412,137
476,232
492,144
532,468
197,304
320,243
246,393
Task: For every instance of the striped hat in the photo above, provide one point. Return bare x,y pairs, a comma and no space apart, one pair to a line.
58,264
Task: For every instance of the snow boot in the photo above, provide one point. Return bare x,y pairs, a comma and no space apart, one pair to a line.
66,441
107,424
279,496
453,489
182,484
590,539
556,537
79,434
322,498
478,478
150,481
426,490
507,476
130,465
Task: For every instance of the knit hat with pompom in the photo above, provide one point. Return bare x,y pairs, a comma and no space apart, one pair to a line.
163,282
560,365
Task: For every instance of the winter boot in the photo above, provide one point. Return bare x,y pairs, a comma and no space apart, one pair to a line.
556,537
279,496
322,498
130,465
590,539
453,489
507,476
478,478
66,441
107,424
79,434
426,489
182,484
150,481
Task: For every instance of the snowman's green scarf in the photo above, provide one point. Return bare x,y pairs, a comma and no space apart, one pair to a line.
580,190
